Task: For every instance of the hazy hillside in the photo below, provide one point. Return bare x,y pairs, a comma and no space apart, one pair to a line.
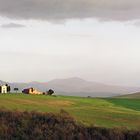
78,87
134,95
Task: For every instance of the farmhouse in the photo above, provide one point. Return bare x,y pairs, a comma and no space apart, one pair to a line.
3,89
31,91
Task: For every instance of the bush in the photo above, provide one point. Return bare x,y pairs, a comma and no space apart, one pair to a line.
48,126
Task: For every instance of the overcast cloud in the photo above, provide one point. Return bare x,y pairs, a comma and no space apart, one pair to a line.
68,9
106,52
12,25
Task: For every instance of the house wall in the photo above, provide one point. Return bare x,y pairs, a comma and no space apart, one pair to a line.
4,89
31,91
34,91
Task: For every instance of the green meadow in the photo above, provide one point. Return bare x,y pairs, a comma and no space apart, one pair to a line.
103,112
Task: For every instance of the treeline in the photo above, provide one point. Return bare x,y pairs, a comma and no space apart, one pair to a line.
48,126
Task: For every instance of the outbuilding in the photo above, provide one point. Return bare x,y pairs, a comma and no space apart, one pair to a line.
31,91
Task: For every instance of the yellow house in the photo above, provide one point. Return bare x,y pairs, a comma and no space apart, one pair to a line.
31,91
3,89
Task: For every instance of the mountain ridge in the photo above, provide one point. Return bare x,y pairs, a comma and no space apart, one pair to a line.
77,87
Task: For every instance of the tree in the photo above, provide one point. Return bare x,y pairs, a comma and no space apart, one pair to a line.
50,92
16,90
8,88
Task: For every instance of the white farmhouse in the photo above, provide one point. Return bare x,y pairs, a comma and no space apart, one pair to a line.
3,89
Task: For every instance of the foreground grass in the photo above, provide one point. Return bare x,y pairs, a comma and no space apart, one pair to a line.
104,112
16,125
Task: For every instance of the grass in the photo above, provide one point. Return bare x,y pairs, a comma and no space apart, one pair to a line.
126,102
103,112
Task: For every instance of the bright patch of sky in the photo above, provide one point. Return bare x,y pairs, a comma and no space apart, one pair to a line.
106,52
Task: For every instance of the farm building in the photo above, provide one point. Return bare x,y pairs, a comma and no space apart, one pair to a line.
31,91
3,89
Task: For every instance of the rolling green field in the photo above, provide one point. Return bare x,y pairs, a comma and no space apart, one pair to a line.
103,112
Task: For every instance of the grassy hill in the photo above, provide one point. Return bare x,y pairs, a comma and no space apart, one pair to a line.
104,112
134,95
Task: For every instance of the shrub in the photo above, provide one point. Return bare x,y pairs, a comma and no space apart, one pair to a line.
60,126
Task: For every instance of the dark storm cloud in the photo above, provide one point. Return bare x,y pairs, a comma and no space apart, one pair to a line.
12,25
67,9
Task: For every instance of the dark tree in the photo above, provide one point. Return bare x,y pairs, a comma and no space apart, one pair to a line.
50,92
16,90
8,88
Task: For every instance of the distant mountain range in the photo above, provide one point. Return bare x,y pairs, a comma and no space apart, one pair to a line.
77,87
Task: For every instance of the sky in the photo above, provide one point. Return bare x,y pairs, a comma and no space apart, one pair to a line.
97,40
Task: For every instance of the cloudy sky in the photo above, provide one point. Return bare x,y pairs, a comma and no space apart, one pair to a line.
98,40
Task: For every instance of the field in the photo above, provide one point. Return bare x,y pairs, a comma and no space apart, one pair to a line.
103,112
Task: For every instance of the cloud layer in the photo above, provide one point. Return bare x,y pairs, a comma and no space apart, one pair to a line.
12,25
68,9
